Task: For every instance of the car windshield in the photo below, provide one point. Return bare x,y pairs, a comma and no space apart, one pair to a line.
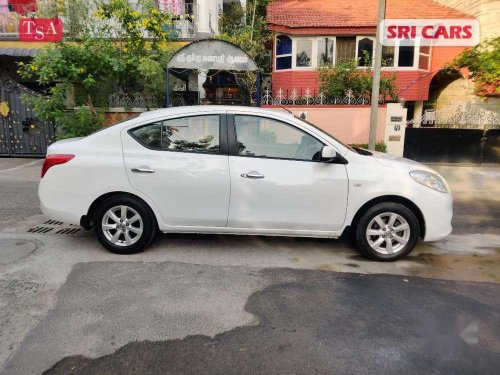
328,134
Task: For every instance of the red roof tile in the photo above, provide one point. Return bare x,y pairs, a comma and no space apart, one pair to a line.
360,13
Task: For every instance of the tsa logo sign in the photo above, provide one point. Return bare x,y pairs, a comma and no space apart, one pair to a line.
430,32
40,29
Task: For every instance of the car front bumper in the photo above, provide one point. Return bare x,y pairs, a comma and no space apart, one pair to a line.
437,209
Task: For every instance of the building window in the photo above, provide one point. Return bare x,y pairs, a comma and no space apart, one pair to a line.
365,51
424,57
325,51
388,56
283,52
406,56
303,55
346,49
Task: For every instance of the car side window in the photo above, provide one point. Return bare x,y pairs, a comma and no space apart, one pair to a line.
185,134
264,137
148,135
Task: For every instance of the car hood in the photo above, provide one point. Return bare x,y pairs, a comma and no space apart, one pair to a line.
399,162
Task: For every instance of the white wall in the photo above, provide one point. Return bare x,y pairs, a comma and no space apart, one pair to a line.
208,16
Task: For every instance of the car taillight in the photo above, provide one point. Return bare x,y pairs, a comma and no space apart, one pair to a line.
55,159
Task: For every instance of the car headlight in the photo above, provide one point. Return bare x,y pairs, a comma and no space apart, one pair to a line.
429,179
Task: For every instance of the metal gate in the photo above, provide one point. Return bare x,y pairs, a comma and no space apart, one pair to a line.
462,133
21,133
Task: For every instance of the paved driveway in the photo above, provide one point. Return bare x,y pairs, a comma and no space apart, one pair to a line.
212,304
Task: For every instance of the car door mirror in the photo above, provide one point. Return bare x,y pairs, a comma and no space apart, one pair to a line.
330,155
328,152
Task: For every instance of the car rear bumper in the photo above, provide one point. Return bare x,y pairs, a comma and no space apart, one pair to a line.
60,205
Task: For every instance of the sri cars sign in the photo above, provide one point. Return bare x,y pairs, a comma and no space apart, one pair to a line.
40,29
430,32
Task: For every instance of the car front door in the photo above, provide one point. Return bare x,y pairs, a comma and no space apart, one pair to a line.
182,165
278,181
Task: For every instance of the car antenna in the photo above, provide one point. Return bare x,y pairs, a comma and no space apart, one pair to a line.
286,109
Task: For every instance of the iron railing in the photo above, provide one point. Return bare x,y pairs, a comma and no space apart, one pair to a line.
459,116
312,97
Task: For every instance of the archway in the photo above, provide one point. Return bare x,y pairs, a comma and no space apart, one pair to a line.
214,58
439,83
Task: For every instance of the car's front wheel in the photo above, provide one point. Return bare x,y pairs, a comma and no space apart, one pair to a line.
124,225
387,231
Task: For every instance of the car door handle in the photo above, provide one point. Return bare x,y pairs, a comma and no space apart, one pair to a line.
252,174
143,170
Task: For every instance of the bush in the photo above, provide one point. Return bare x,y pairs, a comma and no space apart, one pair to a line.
379,146
345,77
79,123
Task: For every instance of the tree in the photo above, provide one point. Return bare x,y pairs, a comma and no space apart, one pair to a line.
247,28
482,64
112,54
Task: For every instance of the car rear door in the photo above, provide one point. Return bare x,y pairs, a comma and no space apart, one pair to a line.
182,165
278,181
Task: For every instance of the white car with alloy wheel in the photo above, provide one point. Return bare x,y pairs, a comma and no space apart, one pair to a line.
239,170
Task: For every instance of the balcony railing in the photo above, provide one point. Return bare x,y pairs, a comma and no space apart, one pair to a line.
185,19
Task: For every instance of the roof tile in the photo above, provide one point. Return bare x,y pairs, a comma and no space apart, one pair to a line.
359,13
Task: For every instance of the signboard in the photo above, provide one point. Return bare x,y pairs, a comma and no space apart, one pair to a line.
430,32
212,54
40,29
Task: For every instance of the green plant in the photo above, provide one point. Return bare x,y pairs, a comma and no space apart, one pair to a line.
483,63
80,122
345,77
379,146
113,57
248,30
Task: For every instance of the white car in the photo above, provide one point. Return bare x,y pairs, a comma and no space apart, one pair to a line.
239,170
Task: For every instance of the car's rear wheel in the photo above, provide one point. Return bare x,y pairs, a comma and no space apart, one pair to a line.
387,231
124,225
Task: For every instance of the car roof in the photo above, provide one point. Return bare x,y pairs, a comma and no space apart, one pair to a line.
212,109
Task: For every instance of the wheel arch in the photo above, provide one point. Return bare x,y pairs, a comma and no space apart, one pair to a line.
86,220
392,199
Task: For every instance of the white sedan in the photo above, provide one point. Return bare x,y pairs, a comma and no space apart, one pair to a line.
239,170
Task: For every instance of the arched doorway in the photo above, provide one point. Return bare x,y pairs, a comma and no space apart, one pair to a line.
212,65
448,88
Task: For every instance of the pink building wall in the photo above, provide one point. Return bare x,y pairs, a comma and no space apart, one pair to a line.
349,124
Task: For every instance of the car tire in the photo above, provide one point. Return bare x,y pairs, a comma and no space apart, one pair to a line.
124,225
387,232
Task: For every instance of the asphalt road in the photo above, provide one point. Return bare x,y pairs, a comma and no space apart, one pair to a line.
18,189
229,304
307,322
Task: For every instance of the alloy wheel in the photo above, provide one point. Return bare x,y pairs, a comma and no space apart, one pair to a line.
388,233
122,225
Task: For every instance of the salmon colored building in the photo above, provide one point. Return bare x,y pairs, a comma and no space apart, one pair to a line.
309,33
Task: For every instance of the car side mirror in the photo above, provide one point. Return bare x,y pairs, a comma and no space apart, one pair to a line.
330,155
